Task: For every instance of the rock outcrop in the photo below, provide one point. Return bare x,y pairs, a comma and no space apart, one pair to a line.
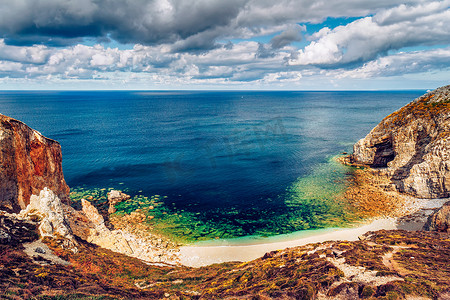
32,184
90,226
439,220
115,197
412,146
100,235
14,231
48,210
29,163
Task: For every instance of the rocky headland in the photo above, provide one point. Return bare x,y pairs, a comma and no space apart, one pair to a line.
405,160
412,147
51,248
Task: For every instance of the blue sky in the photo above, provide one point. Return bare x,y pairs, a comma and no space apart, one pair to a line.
226,45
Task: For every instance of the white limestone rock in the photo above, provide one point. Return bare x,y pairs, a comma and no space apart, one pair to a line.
47,207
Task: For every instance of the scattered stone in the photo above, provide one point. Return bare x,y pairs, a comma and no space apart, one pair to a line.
14,230
42,254
361,274
192,293
39,250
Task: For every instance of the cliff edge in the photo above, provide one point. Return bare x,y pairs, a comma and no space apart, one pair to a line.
412,146
29,162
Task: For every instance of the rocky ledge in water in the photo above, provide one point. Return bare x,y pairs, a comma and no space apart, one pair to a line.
57,220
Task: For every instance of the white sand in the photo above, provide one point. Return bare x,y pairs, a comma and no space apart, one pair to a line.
197,255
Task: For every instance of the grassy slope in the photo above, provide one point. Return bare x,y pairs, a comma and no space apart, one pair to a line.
420,263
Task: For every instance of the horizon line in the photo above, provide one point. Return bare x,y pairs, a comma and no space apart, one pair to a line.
212,90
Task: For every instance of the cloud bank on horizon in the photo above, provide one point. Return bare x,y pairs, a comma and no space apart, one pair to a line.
198,44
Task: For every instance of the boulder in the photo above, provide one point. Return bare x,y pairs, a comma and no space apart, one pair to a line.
5,238
439,220
115,197
30,162
58,220
412,146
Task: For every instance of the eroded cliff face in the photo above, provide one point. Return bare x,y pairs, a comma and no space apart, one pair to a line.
29,163
412,146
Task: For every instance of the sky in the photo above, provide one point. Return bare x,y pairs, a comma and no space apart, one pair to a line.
224,44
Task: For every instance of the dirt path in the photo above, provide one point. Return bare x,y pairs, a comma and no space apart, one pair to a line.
388,261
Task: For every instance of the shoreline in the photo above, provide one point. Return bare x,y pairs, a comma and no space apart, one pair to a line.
198,255
369,193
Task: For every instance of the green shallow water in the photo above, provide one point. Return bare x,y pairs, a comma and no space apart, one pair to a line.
311,203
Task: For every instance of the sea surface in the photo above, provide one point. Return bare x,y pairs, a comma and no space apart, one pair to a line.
222,164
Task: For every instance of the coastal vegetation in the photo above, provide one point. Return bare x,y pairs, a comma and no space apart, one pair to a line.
382,265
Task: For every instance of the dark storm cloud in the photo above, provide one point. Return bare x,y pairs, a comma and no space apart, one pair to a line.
194,24
51,41
197,43
146,22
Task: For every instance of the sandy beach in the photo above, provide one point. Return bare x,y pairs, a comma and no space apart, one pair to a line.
413,218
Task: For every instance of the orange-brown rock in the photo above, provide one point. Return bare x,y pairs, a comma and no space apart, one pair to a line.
29,163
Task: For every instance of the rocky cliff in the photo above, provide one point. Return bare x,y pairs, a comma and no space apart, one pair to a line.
29,162
412,146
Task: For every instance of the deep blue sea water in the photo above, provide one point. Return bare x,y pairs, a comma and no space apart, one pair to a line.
223,156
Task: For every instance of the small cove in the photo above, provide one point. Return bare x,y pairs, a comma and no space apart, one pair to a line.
223,164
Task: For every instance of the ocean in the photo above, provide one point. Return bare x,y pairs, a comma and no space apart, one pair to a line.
214,164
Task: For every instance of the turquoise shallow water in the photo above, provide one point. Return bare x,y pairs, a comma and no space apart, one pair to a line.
229,163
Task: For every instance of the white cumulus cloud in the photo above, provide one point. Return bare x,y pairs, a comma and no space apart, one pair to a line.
367,38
